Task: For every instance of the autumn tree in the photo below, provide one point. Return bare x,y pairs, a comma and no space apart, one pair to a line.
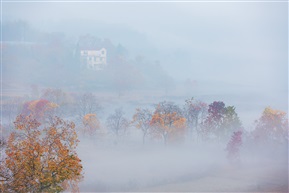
41,159
194,112
167,122
4,172
57,96
91,124
117,123
272,126
87,104
41,109
221,121
142,119
233,147
231,121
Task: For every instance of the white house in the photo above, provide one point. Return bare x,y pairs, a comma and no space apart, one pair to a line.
93,59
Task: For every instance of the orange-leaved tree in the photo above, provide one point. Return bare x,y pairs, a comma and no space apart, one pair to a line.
39,109
41,159
272,125
167,122
91,124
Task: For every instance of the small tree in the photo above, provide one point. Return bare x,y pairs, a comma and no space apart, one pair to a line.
55,95
87,104
41,159
231,121
167,122
117,123
142,119
59,97
221,121
272,126
194,112
42,110
213,122
233,147
91,124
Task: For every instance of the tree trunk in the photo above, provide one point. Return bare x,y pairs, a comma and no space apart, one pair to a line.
165,139
143,138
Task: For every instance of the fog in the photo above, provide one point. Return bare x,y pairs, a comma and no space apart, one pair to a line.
231,52
187,168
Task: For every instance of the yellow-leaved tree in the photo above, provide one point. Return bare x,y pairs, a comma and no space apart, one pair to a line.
41,159
167,122
272,126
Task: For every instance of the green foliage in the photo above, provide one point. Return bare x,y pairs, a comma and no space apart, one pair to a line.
221,121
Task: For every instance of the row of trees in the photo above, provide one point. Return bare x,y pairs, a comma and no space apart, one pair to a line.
39,155
194,121
196,118
49,102
167,121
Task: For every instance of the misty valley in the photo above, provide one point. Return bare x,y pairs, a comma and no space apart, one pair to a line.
108,97
141,146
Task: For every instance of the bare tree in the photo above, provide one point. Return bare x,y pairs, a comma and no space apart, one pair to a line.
58,97
117,123
142,119
194,111
167,107
87,104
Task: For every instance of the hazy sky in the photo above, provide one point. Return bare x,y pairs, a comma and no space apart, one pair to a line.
238,43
